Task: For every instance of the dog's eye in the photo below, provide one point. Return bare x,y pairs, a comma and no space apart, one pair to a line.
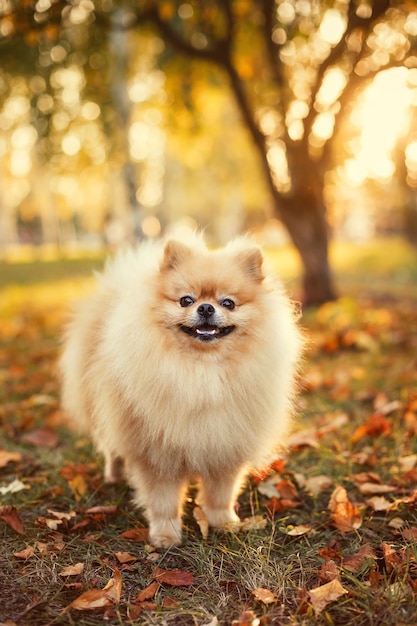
186,301
227,303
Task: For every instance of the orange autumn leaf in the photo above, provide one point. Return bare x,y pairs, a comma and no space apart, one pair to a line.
175,577
73,570
148,593
136,534
99,598
25,554
10,516
345,515
264,595
125,557
376,425
248,618
324,595
78,486
9,457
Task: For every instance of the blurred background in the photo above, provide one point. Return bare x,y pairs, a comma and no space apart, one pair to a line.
294,119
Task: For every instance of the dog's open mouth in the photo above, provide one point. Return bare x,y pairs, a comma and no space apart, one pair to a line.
207,332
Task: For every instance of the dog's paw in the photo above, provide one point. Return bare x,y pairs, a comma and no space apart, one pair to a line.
165,533
225,519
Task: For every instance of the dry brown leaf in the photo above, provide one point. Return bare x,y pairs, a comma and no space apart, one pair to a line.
175,577
9,457
25,554
317,484
324,595
136,534
248,618
148,593
42,438
125,557
10,516
378,503
61,515
78,486
354,562
102,510
297,531
99,598
372,489
345,515
264,595
73,570
202,521
328,571
256,522
410,534
304,438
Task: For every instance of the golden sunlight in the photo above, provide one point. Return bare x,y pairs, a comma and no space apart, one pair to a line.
382,115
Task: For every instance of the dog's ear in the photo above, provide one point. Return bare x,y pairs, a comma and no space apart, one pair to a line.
175,252
251,260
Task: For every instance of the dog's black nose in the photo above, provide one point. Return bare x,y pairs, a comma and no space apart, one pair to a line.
206,310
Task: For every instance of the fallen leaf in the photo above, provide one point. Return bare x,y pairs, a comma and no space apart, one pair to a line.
10,516
329,571
42,438
396,522
355,562
213,622
168,602
317,484
9,457
73,570
102,510
60,515
393,560
256,522
320,597
148,593
264,595
99,598
13,487
345,515
248,618
370,489
174,577
202,521
297,531
136,534
268,487
304,438
376,426
407,463
125,557
410,534
25,554
378,503
78,486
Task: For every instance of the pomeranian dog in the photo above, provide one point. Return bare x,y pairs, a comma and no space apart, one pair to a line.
181,367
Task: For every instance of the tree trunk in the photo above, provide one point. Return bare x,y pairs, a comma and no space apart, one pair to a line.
302,211
307,227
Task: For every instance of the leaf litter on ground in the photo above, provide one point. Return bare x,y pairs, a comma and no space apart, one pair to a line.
329,532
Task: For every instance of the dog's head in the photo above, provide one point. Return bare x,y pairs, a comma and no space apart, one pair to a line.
207,297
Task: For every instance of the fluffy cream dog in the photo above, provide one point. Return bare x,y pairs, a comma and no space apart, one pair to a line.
181,366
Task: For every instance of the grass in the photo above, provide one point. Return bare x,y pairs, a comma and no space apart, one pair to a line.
362,355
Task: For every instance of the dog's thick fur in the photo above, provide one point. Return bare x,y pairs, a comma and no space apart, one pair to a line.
181,366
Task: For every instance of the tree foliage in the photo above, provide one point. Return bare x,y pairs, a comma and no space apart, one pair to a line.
293,69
